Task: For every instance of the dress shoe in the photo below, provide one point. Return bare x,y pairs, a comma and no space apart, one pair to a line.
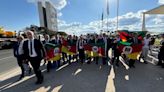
40,80
117,64
48,70
22,76
145,62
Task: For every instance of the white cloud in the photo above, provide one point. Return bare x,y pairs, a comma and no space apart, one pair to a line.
129,21
161,1
58,4
59,14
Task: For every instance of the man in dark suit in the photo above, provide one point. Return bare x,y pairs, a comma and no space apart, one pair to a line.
109,45
19,54
70,42
116,52
34,52
80,47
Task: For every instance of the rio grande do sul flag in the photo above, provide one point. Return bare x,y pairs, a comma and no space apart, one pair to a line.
53,52
72,48
69,48
102,49
131,50
91,50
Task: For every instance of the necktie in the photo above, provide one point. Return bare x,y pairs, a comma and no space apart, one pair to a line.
81,43
31,47
18,49
135,40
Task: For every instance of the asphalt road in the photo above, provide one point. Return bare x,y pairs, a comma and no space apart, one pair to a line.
7,61
86,78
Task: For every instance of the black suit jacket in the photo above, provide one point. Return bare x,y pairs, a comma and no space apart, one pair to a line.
54,41
15,49
109,43
38,46
161,53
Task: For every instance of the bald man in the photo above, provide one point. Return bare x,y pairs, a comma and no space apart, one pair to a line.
34,52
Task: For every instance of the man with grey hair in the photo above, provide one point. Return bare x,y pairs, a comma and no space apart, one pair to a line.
19,54
34,52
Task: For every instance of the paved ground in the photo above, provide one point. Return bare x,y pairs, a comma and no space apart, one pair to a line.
89,78
7,61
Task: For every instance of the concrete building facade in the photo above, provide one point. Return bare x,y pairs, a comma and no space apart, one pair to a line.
48,15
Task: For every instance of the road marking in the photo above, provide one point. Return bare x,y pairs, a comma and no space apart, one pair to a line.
9,74
6,58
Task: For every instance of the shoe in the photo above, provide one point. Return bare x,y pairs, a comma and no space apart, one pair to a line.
69,62
159,64
88,62
117,65
82,62
48,70
64,63
39,81
133,66
22,76
145,62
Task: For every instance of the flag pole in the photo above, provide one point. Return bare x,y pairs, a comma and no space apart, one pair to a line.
117,14
107,14
102,20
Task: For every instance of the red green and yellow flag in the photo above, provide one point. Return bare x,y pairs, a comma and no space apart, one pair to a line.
132,50
53,51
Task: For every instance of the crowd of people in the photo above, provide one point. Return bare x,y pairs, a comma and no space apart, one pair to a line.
33,50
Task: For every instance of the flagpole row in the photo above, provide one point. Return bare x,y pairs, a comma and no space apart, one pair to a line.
117,14
107,13
102,20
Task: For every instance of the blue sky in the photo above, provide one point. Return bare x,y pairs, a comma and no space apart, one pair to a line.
82,14
88,10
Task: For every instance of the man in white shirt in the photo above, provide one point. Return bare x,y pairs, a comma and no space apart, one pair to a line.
34,52
145,48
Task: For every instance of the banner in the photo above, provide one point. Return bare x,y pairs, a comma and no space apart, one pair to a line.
72,49
91,50
131,50
102,49
53,51
69,47
95,49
